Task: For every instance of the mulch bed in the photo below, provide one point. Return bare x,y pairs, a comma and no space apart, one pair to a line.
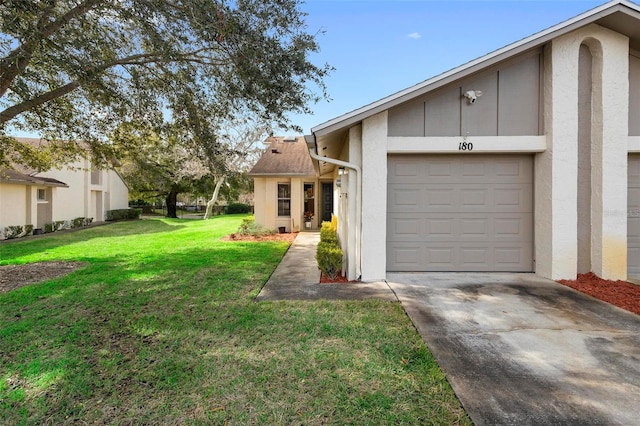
338,280
622,294
287,236
16,276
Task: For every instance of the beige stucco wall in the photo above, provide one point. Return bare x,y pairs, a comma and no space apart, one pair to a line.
12,203
355,214
19,204
266,202
260,201
557,168
374,197
84,198
69,203
117,191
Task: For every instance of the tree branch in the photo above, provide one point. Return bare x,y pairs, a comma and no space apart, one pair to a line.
15,110
139,59
17,60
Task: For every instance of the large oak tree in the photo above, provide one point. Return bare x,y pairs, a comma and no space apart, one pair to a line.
75,70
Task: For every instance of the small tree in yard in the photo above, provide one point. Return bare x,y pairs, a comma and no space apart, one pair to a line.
239,149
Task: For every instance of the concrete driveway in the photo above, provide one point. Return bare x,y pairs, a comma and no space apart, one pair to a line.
522,350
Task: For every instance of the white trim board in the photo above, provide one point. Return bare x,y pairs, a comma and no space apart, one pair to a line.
474,144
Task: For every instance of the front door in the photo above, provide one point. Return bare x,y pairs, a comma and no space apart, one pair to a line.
327,201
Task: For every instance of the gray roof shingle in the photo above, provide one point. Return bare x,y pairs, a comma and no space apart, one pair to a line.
284,157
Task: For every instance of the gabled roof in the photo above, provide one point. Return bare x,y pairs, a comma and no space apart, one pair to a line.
618,15
19,178
284,157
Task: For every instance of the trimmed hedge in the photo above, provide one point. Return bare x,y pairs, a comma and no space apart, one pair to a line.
122,214
234,208
329,254
328,234
19,231
11,232
329,258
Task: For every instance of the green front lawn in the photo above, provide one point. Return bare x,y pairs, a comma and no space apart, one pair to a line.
161,327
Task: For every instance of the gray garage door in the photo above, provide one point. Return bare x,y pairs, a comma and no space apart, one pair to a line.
460,213
633,218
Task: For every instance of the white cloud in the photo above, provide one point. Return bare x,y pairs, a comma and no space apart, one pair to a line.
414,35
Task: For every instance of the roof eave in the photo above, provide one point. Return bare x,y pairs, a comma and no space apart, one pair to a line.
33,183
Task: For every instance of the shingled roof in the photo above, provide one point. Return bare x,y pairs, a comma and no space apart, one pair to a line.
18,178
23,175
284,157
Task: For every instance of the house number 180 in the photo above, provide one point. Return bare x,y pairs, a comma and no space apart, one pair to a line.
465,146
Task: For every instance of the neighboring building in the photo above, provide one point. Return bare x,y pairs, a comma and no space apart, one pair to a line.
527,159
286,187
28,197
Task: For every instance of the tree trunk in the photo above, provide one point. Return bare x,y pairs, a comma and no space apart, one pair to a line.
213,199
171,201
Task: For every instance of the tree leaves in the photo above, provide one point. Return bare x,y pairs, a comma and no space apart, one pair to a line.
78,70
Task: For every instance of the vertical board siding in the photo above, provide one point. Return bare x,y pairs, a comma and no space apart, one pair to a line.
509,105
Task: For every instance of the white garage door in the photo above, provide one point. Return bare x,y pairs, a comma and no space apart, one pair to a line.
633,217
460,213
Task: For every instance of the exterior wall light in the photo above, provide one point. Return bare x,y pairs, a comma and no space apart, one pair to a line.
472,95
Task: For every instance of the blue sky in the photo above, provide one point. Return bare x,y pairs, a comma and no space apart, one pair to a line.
380,47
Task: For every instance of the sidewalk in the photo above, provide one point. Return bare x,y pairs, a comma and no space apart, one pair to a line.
297,278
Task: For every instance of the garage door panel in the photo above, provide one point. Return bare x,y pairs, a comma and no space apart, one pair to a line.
457,199
463,169
504,227
469,257
633,217
465,213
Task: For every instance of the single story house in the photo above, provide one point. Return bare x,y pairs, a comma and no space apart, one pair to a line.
526,159
29,197
286,187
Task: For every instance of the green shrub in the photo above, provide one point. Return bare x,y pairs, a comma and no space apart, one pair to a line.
234,208
328,234
249,227
122,214
77,222
11,232
48,228
28,229
329,258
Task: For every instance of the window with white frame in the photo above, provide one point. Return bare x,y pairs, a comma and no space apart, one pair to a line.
42,194
284,199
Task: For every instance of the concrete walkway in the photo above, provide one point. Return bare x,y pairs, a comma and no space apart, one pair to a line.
297,278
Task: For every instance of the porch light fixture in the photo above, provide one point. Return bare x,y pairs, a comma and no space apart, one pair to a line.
472,96
342,171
